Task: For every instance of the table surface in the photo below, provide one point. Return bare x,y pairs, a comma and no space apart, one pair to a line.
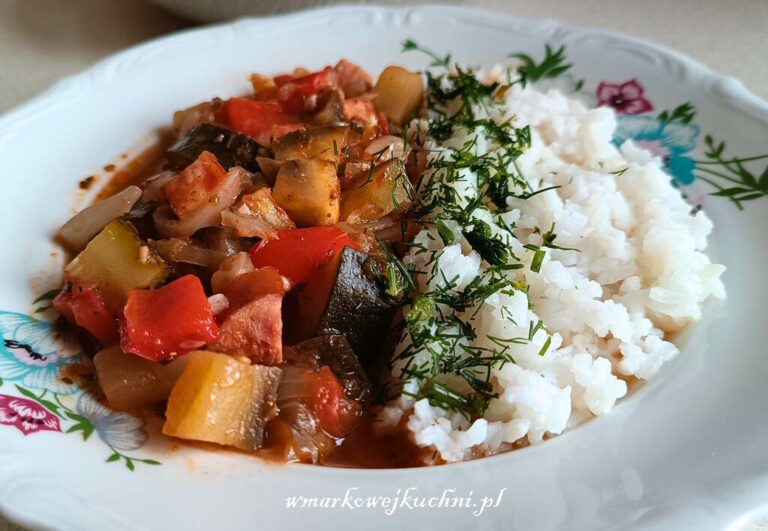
42,41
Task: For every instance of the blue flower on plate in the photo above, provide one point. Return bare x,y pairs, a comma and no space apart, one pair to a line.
32,354
672,141
121,431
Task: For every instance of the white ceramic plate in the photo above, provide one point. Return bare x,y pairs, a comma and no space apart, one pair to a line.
687,450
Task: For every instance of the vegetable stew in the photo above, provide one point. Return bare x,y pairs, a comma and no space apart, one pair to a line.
246,283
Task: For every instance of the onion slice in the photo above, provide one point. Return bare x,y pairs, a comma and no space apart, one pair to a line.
81,229
175,250
388,147
218,303
229,269
153,186
247,226
169,226
310,443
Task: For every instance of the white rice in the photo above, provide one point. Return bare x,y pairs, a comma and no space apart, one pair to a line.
640,274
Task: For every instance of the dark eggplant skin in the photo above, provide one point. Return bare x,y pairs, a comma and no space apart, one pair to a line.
230,148
334,351
358,307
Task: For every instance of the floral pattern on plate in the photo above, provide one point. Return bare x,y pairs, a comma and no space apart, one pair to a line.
671,135
32,356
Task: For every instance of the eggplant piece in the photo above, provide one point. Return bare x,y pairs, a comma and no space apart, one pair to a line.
334,351
332,110
328,143
230,148
223,240
309,191
347,297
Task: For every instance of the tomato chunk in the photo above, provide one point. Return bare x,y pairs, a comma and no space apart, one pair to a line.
298,253
85,307
260,119
169,321
192,188
336,414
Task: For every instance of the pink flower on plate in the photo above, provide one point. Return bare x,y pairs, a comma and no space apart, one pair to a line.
626,98
26,416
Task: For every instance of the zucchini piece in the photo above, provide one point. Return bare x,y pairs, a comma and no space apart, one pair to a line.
130,382
230,148
223,400
115,263
386,190
347,297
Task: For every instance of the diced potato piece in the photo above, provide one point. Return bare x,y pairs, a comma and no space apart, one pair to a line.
309,191
130,382
386,190
223,400
326,143
116,261
399,93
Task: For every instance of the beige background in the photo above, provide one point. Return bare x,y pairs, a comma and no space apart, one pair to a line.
42,41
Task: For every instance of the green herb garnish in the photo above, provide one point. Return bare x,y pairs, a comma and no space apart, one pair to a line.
491,249
445,233
538,258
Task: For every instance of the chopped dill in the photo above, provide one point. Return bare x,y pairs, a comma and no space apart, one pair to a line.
471,186
490,248
394,288
409,46
538,258
545,347
552,65
619,173
445,233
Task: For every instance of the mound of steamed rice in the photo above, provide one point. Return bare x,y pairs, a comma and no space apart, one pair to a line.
640,275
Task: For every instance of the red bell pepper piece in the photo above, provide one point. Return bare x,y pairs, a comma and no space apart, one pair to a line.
85,307
335,413
259,119
297,253
163,323
294,91
192,188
